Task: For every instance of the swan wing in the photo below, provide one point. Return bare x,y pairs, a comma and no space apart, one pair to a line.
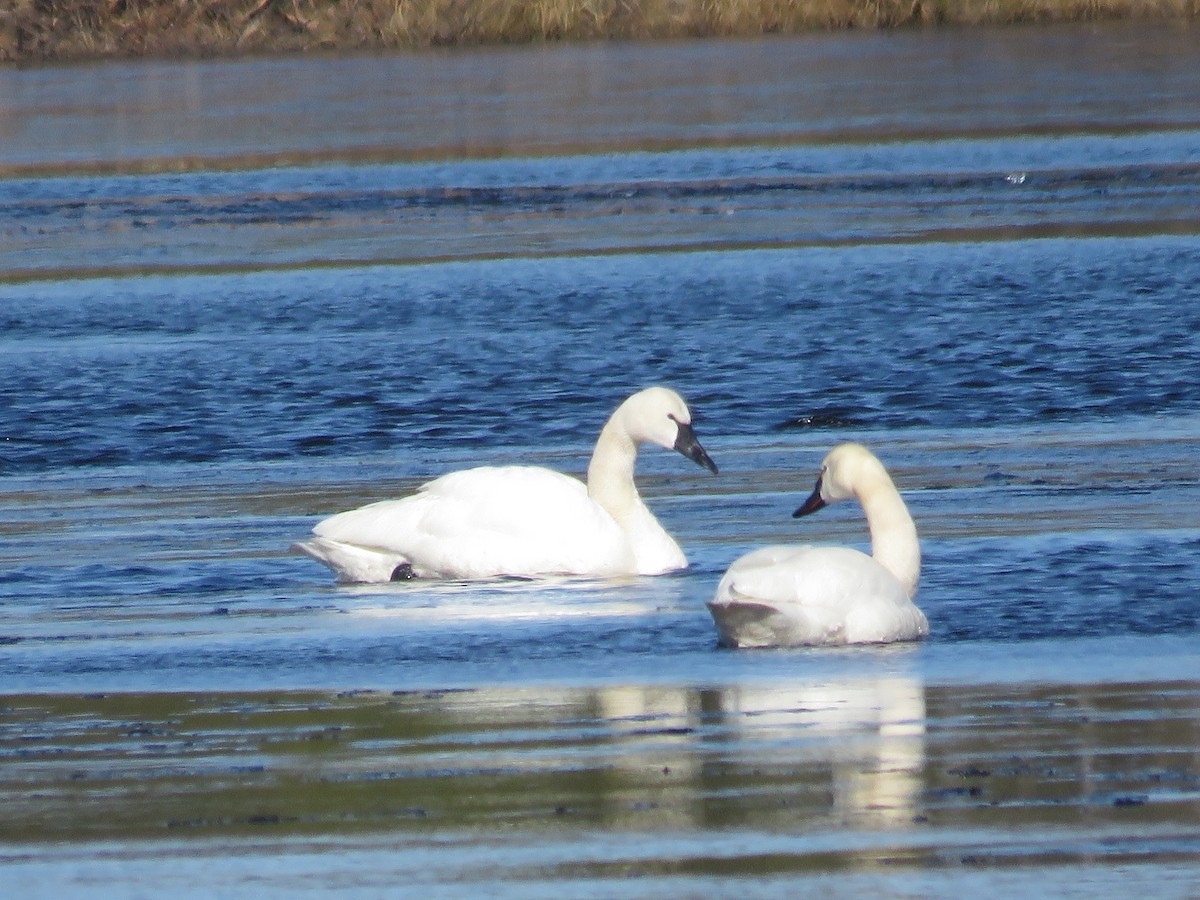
489,521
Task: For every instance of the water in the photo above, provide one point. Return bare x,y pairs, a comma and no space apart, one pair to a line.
238,296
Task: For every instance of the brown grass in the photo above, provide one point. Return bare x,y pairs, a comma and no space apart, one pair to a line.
83,29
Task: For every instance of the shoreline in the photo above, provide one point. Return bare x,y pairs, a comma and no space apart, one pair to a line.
62,31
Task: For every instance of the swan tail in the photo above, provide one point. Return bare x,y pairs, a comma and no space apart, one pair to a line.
352,563
744,622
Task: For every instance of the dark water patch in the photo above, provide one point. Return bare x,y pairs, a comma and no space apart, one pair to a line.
199,207
834,417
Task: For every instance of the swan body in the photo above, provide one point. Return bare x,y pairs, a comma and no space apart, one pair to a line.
522,521
785,596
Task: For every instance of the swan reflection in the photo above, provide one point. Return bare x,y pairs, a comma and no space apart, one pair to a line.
853,748
868,734
813,754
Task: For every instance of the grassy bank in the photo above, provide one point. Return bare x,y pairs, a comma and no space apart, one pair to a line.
39,30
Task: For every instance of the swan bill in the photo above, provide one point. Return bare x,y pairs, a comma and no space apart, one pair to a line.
688,444
812,504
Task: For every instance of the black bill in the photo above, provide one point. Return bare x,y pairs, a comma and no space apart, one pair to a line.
687,444
812,504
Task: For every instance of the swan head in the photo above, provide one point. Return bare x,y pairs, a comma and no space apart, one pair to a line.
846,468
658,415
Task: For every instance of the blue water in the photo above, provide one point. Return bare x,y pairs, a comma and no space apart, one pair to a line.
202,358
288,366
238,296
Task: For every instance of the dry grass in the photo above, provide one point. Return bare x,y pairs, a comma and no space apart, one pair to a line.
79,29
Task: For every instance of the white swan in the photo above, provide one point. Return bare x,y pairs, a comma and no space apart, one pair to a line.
522,520
803,595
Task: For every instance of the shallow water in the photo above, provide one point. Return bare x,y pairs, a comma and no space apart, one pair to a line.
238,296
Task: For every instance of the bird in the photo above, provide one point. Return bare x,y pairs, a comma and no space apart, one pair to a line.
522,521
804,595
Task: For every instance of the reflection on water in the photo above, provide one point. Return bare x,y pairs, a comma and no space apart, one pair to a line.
776,778
628,757
909,137
868,733
601,97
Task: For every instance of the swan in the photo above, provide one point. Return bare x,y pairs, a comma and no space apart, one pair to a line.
519,521
803,595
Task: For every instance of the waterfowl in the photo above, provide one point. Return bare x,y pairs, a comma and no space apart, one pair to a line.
522,521
804,595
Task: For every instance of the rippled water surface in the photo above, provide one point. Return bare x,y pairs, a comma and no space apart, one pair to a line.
238,296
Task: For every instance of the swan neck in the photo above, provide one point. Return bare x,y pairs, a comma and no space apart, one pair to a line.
610,484
610,473
894,543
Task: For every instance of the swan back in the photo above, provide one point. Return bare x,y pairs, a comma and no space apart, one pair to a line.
489,521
